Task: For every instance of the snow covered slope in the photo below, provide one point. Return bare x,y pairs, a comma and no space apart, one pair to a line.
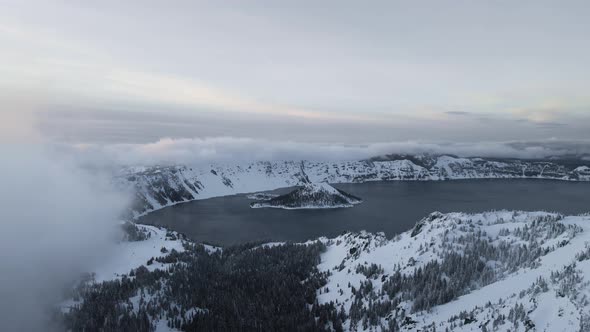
158,187
497,271
494,271
156,242
311,196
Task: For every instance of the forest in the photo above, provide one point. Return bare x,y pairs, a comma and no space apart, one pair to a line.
257,287
240,288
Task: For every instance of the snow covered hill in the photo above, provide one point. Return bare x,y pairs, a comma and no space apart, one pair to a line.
158,187
261,196
494,271
311,196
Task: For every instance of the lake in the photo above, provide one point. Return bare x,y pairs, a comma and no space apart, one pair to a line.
391,207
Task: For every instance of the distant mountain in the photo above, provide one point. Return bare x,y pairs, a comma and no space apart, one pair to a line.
311,196
494,271
423,160
157,187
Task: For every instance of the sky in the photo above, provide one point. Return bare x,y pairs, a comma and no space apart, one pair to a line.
337,72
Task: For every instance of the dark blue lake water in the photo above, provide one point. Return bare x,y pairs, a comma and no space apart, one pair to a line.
390,207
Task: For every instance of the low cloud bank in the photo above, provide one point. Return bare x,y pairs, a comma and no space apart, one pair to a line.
229,149
56,223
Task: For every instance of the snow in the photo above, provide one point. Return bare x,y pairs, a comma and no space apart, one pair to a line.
310,196
547,318
158,187
162,326
547,310
271,245
551,313
323,187
131,255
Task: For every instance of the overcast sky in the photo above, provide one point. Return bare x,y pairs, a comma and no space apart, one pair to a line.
311,71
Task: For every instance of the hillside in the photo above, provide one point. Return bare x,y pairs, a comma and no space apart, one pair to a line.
495,271
310,196
157,187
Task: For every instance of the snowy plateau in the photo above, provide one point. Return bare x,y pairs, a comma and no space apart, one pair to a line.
494,271
157,187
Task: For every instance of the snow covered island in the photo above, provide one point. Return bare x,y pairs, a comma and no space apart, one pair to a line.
261,196
311,196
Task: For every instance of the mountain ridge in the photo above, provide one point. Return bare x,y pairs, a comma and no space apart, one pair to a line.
491,271
160,186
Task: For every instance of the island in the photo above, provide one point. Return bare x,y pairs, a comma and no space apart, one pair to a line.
261,196
310,196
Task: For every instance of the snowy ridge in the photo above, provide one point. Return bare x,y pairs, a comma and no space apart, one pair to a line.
531,274
493,271
158,187
158,242
311,196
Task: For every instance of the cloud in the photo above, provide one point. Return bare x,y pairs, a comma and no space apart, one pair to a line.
173,90
546,124
42,63
231,150
56,222
458,113
542,123
16,120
